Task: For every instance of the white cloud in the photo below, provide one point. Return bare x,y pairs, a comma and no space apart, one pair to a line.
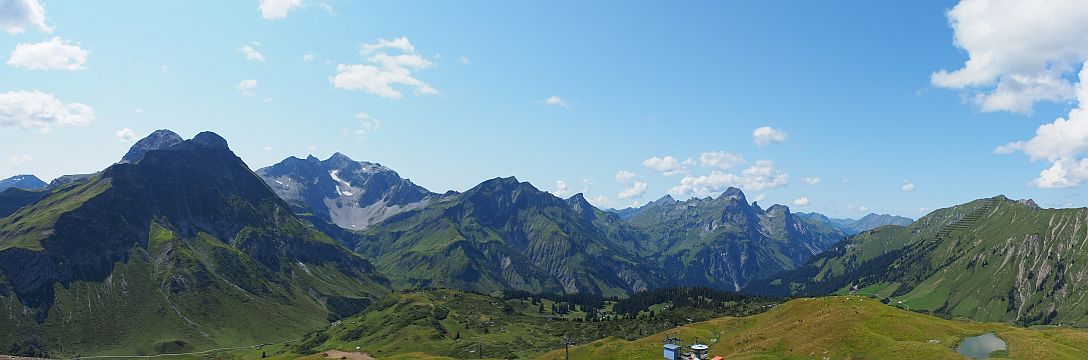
1018,51
246,87
35,110
623,176
561,189
555,101
19,159
667,165
759,197
251,54
308,58
402,43
52,54
801,201
813,181
1063,143
922,210
465,60
18,15
126,135
277,9
586,183
767,135
367,125
601,201
635,191
760,176
907,186
720,159
385,71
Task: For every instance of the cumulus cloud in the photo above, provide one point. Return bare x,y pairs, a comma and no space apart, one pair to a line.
561,189
667,165
601,201
19,159
126,135
367,125
555,101
623,176
384,73
52,54
634,191
1018,51
35,110
277,9
251,54
720,159
18,15
908,186
766,135
760,176
813,181
801,201
246,87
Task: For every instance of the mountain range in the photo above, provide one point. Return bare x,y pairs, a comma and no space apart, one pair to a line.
180,246
851,226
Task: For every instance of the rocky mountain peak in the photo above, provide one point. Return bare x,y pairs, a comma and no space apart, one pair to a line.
210,139
157,140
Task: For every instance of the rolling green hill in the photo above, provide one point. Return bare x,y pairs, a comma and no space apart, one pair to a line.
183,249
841,327
991,260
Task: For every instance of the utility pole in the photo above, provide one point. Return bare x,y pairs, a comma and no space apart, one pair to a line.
567,342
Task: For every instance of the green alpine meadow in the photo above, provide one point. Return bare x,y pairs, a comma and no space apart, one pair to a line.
697,180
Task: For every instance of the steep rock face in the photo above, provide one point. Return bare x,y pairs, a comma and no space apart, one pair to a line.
991,260
726,242
506,234
25,182
350,194
189,238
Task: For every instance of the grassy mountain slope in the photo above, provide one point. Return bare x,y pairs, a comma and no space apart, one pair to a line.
991,260
841,328
505,234
184,249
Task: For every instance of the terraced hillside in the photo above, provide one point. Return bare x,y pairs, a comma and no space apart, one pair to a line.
840,327
991,260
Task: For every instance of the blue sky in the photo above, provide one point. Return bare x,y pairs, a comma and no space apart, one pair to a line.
849,83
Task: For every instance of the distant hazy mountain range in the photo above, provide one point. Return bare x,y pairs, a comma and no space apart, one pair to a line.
851,226
25,182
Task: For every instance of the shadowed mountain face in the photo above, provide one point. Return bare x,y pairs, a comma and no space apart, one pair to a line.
350,194
506,234
25,182
726,242
992,259
185,247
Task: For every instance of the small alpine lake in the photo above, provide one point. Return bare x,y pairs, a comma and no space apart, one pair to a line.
980,347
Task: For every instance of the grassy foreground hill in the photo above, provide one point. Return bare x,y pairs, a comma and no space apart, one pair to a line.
842,327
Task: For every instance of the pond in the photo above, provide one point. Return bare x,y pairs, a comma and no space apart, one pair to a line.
980,347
